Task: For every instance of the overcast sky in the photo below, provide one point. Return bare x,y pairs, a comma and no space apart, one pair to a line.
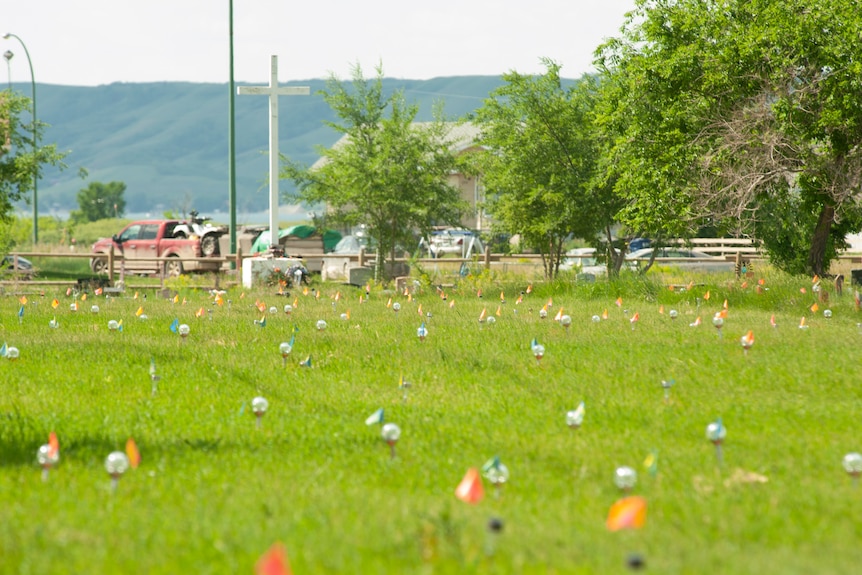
93,42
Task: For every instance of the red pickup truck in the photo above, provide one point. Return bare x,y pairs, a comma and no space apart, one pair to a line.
143,240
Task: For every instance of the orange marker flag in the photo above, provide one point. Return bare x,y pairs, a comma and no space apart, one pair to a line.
722,314
305,291
68,291
317,294
550,302
803,290
761,281
725,304
814,308
419,310
261,306
22,300
140,311
545,308
295,302
695,323
337,295
499,311
409,296
661,309
470,489
219,300
136,296
706,295
815,279
479,292
559,315
857,300
635,318
55,303
627,513
502,297
605,314
83,297
273,562
744,285
772,321
452,304
185,301
199,313
519,300
53,444
98,291
802,323
133,454
347,314
483,314
530,288
242,295
389,303
619,302
689,286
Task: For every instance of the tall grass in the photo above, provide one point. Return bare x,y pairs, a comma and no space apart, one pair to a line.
214,491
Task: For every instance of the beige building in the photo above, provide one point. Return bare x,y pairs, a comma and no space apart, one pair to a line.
462,140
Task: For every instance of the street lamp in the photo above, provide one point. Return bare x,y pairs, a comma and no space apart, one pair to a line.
36,167
8,55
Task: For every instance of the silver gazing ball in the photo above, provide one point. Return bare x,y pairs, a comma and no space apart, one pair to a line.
396,306
390,433
47,457
273,310
497,474
183,330
673,314
94,309
288,309
321,325
491,320
12,353
596,319
543,313
566,321
285,348
827,313
852,463
113,325
116,464
716,432
259,405
625,477
575,417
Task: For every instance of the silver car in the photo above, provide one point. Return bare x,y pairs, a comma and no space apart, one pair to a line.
681,258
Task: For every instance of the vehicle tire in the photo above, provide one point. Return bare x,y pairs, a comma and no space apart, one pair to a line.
99,265
209,245
173,267
180,235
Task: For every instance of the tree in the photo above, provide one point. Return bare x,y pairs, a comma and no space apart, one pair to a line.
100,201
386,172
729,109
19,162
539,165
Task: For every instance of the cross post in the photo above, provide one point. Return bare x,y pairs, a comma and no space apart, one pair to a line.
273,91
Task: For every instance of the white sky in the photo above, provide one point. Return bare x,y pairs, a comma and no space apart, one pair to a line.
93,42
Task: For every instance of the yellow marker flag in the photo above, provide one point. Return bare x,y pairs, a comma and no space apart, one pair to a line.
814,308
22,300
84,297
177,298
200,313
140,311
559,315
133,454
55,303
499,311
419,310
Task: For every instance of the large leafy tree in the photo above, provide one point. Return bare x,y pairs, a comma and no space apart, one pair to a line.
539,161
724,111
19,162
387,172
99,201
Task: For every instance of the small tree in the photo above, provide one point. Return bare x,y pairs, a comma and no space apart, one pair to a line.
20,164
539,164
387,172
100,201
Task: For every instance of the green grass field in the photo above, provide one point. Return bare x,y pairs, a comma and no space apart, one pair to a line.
214,491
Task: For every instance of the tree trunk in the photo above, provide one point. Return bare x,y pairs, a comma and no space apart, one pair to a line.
820,239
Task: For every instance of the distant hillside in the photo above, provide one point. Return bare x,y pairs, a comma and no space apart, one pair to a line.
169,141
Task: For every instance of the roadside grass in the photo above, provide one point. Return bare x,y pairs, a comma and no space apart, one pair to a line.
214,491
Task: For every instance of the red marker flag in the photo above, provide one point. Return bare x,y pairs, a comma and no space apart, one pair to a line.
470,489
53,444
627,513
273,562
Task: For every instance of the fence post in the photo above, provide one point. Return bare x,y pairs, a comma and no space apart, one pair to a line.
239,263
487,258
111,266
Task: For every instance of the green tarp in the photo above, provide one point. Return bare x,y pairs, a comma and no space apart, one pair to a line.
330,237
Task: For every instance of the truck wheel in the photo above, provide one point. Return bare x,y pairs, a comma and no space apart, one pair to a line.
209,246
173,267
99,265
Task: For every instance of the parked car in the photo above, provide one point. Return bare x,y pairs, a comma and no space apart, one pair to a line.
700,261
460,243
584,260
24,266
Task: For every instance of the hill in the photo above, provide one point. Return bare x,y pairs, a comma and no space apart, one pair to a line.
168,142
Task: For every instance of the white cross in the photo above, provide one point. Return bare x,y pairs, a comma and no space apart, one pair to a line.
273,91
